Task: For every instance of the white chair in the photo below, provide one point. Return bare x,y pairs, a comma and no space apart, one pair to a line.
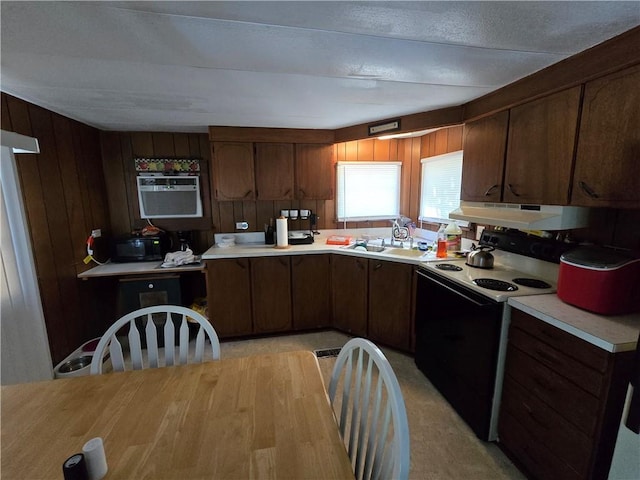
372,419
153,358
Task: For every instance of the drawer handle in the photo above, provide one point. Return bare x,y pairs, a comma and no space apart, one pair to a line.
378,265
490,190
248,193
534,417
547,356
588,190
510,187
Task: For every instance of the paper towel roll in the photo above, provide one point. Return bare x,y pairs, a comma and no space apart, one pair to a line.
282,235
96,459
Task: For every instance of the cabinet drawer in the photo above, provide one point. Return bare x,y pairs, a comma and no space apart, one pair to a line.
565,342
566,398
533,455
546,427
583,376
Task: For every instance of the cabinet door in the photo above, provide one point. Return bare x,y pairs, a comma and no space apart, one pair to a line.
271,292
229,296
390,286
540,149
274,171
484,146
311,291
314,172
233,175
349,286
609,143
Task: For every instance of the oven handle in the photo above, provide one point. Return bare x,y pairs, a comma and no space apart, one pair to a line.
457,292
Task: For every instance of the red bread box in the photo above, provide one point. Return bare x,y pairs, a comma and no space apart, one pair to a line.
600,280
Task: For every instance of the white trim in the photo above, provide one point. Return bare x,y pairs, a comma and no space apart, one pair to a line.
19,143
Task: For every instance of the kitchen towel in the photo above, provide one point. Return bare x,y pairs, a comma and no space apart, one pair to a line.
282,235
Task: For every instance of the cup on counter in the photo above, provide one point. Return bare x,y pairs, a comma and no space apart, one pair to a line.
284,213
293,214
304,214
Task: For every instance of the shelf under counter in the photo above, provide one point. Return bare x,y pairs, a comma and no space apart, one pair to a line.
138,268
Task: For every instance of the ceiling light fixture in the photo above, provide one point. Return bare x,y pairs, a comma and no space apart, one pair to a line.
384,127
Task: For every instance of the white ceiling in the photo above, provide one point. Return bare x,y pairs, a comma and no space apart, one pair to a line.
181,66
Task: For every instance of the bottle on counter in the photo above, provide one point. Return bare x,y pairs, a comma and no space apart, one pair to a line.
454,237
441,239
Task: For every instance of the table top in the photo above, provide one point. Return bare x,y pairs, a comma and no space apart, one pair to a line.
263,416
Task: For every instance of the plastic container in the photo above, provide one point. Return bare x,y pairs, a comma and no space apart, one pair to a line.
454,237
441,240
600,280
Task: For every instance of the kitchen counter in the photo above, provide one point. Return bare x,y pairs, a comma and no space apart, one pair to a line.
615,334
136,268
396,254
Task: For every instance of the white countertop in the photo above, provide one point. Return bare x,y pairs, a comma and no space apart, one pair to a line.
136,268
618,333
405,255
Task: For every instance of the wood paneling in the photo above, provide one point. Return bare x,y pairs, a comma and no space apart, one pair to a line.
277,135
64,194
443,117
118,152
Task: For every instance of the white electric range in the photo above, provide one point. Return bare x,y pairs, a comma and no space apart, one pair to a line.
498,283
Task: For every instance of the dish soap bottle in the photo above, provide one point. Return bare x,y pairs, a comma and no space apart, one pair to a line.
454,237
441,239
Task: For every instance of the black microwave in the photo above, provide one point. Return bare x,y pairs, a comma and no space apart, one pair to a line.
139,248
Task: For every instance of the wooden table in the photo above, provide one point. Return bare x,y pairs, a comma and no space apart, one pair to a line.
264,416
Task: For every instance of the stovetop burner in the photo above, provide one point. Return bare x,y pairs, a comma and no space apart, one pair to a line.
531,282
448,266
493,284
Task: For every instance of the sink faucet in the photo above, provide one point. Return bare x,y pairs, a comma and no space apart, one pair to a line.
399,234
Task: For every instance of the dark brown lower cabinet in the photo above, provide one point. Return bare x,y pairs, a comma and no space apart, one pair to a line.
562,400
349,281
390,286
311,291
271,294
229,296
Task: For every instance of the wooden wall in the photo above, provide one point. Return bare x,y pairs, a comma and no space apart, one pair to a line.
118,152
65,198
409,151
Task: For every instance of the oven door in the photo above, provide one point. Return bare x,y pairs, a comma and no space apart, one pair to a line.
457,343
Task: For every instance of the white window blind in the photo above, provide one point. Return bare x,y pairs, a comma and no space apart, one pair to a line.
441,179
368,190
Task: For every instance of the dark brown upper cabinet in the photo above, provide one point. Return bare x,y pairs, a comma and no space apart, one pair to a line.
484,146
274,171
314,172
609,143
233,171
542,136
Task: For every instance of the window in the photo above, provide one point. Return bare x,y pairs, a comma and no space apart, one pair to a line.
441,178
368,190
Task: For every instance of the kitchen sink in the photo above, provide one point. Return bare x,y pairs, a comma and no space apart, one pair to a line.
368,248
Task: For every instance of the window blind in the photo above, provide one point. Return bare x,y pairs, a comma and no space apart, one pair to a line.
368,190
441,181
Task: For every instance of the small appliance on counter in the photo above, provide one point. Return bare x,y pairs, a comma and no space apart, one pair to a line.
303,236
140,248
600,280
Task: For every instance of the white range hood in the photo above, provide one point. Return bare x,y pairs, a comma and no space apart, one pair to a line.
523,217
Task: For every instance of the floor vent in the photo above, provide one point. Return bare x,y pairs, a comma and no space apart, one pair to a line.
327,352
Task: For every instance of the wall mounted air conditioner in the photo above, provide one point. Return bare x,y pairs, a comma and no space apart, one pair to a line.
169,196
